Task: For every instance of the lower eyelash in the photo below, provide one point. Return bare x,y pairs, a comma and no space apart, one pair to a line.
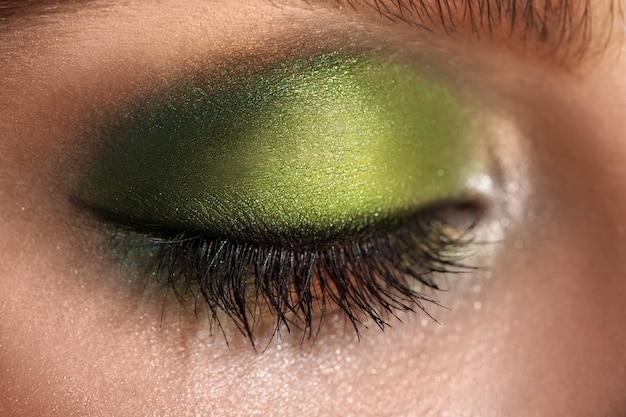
369,280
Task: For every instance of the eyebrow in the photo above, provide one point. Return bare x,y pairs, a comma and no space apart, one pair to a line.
565,24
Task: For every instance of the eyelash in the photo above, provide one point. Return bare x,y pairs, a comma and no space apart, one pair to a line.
367,279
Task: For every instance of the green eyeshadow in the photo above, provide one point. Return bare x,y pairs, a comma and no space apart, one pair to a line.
305,151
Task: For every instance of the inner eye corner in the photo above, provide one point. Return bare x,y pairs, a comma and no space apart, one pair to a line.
468,209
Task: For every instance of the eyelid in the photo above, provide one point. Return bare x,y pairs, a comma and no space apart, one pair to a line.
359,120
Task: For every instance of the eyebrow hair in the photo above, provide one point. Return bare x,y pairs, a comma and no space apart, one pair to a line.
12,11
561,24
557,23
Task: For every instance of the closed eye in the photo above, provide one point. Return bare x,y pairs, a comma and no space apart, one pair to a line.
304,187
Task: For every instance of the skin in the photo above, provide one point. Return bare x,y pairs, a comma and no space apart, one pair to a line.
540,333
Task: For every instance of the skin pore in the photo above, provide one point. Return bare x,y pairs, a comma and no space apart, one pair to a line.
539,332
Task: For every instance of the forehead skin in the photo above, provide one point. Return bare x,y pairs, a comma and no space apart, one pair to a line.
541,334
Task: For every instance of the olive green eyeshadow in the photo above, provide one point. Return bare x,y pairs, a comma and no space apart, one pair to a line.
307,150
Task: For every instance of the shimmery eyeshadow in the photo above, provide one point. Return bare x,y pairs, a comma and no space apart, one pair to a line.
304,151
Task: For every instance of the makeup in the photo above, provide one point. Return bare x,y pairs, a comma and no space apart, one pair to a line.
299,153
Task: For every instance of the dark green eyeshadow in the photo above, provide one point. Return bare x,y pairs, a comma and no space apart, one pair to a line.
309,150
